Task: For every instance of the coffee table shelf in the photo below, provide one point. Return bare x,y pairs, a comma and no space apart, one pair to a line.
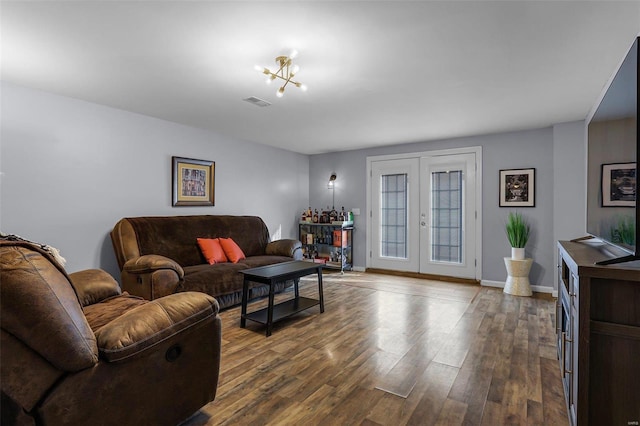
282,310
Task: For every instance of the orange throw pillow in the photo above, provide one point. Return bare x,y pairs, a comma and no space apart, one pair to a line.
232,250
212,250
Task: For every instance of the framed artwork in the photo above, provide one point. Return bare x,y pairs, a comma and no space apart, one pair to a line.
518,188
619,185
193,182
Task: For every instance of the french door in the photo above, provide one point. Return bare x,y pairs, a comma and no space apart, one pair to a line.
448,215
395,206
423,215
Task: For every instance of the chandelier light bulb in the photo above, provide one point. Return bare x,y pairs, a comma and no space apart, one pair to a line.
303,87
295,70
262,69
293,54
280,92
268,80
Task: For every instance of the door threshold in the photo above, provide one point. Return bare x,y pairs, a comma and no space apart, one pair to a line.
408,274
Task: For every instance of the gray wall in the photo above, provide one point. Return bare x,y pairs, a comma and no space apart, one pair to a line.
71,169
525,149
569,168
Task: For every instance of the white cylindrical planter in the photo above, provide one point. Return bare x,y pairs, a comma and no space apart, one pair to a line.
518,277
517,253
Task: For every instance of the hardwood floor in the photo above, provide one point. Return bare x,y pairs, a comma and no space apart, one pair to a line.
393,351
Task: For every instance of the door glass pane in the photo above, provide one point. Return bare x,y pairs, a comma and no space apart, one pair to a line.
393,197
446,216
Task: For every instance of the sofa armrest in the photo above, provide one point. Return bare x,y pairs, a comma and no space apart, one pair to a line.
93,286
285,247
150,263
144,327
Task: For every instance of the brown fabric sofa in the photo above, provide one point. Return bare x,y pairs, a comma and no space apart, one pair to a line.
77,351
159,255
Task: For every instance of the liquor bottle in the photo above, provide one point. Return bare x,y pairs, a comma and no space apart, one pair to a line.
333,216
324,217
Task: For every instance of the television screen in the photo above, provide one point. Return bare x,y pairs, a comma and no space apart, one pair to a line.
612,157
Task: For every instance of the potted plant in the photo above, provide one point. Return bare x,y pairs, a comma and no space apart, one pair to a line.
518,234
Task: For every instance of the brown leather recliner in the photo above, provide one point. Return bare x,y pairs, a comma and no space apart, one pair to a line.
76,351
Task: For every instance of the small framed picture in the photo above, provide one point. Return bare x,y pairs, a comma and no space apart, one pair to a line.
193,182
518,188
619,185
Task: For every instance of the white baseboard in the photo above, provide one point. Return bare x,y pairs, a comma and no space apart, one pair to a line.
358,269
488,283
536,288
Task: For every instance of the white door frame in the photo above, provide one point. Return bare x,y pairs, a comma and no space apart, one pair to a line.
477,150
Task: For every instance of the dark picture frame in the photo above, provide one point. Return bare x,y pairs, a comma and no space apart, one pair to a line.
618,183
193,182
517,188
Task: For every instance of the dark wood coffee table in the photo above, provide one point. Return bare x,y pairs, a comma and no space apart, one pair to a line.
271,275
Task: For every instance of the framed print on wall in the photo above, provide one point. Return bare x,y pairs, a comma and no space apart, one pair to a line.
517,188
193,182
619,185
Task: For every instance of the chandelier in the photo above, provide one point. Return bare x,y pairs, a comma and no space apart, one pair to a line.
285,72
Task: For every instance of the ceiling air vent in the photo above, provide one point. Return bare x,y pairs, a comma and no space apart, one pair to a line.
257,101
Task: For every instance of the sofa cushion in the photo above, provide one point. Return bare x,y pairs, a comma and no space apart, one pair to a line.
225,278
231,250
221,278
176,236
212,250
147,325
109,309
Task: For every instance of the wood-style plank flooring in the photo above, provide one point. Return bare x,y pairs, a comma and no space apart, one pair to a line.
390,350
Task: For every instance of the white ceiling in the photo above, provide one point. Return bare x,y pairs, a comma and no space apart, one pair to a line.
378,72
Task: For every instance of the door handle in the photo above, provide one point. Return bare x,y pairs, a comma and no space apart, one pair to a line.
563,368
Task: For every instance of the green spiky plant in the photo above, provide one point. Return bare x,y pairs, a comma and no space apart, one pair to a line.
518,230
625,232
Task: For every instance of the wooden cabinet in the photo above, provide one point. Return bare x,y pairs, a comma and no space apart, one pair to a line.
598,325
328,243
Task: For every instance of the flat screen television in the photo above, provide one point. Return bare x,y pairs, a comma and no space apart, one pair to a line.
613,146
